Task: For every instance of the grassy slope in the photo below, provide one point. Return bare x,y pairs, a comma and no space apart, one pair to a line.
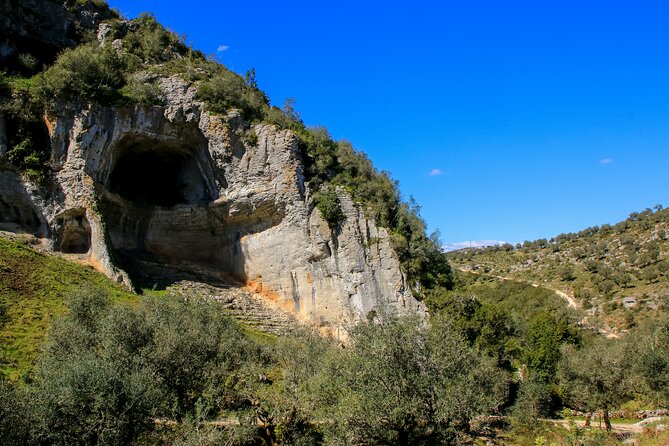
33,288
607,264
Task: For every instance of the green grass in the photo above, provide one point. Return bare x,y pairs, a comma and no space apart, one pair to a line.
33,289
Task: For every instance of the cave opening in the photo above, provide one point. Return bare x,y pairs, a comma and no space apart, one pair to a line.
73,233
154,202
153,174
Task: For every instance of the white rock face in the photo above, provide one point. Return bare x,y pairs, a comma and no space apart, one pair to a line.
175,185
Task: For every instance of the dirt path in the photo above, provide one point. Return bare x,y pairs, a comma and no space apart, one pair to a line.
632,428
569,298
571,301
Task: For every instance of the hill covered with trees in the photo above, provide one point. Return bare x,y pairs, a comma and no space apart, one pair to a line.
618,274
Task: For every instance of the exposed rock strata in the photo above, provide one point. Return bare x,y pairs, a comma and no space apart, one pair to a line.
176,186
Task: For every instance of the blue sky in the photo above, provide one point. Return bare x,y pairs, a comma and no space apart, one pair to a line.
506,120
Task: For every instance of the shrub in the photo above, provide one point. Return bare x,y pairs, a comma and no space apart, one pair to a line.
88,72
109,370
328,204
400,383
227,90
142,91
151,42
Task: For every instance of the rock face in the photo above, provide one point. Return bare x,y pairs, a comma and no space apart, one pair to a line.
175,185
43,28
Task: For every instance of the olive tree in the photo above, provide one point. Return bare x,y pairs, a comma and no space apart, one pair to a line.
400,382
596,377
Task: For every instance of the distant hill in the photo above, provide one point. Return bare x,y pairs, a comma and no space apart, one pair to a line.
618,273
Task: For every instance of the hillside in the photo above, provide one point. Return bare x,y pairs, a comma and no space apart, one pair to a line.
33,290
618,273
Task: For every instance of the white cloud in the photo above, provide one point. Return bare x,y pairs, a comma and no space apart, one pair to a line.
222,48
606,161
435,172
471,244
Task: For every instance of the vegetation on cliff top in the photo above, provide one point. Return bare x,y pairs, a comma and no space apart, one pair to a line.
123,69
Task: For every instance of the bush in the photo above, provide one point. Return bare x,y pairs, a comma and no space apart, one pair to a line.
402,383
227,90
109,370
141,91
328,204
151,42
88,72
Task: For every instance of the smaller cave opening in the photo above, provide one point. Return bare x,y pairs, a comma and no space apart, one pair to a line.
73,233
154,174
18,218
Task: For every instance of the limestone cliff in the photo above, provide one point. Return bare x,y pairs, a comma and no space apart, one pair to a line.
175,185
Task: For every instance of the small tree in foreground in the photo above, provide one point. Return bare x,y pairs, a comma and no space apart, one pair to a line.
402,383
595,377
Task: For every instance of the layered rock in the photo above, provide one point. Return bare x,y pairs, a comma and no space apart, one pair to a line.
176,185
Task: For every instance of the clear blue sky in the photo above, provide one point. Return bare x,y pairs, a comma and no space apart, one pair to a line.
534,117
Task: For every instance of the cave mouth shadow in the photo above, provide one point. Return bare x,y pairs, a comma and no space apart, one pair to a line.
154,173
73,232
149,201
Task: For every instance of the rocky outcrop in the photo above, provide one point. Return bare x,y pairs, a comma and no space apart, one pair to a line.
175,185
43,28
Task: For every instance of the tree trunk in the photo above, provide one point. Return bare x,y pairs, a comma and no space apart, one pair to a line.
607,420
588,417
402,438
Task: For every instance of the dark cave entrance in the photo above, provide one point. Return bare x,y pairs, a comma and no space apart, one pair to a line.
157,174
152,203
73,233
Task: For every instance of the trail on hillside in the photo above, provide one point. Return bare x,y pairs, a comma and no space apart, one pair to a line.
571,301
632,428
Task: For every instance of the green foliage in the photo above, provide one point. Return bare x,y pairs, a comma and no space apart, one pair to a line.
421,255
651,361
489,327
328,204
595,377
566,273
29,158
401,383
533,402
109,370
543,342
149,41
140,90
14,405
28,142
88,72
227,90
